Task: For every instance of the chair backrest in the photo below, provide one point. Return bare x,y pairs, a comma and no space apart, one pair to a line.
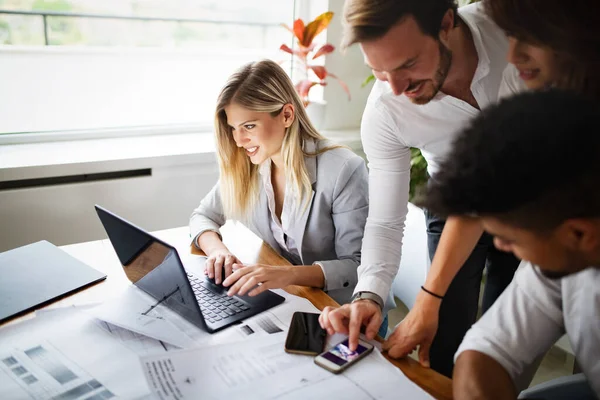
565,387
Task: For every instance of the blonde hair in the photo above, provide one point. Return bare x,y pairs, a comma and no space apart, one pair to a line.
261,86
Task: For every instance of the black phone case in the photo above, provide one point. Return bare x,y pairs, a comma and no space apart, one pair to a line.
305,335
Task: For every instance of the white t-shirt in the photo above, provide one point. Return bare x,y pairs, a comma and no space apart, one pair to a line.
392,124
530,316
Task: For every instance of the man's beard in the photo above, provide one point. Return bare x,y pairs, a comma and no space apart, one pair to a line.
440,76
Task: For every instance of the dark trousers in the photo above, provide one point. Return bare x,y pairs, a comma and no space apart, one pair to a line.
459,307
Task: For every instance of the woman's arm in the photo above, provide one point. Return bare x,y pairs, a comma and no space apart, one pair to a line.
208,216
350,207
205,222
246,280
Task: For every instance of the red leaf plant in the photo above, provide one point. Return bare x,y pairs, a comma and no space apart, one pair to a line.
306,51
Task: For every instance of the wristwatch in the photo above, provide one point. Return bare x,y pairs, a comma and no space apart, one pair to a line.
368,296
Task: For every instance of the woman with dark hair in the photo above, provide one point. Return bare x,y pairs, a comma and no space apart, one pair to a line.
552,43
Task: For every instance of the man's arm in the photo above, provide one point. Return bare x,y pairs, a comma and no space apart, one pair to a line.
389,178
518,329
459,237
479,376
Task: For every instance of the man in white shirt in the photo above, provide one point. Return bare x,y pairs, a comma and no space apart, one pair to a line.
544,148
435,69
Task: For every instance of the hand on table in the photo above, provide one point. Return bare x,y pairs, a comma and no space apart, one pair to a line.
350,318
418,328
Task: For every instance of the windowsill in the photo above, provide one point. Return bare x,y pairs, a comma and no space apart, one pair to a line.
60,158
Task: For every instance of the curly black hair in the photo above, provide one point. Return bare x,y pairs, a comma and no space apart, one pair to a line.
532,161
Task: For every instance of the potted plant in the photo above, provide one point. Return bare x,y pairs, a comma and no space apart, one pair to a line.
305,52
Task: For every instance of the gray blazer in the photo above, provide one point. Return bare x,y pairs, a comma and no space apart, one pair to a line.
329,232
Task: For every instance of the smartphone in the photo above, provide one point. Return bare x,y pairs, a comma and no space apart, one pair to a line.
340,357
305,335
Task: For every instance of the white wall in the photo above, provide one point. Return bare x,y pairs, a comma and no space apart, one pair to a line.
65,214
351,68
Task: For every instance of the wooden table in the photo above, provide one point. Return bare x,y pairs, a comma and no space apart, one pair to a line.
250,249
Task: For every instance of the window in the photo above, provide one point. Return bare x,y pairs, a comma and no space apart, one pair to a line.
98,64
144,23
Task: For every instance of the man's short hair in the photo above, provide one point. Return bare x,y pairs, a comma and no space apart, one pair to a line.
366,20
532,161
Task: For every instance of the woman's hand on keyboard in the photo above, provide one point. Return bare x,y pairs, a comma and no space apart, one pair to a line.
246,279
220,261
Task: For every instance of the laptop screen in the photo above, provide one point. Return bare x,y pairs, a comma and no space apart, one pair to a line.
152,265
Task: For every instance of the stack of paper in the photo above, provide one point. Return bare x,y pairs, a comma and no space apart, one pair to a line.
81,352
134,348
261,369
67,354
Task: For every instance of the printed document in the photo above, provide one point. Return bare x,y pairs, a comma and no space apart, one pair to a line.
262,368
68,355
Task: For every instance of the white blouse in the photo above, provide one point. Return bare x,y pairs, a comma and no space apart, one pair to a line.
282,229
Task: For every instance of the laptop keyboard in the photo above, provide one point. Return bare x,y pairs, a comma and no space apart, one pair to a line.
215,306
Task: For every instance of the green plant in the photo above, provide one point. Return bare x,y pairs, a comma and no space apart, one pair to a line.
306,51
369,79
418,174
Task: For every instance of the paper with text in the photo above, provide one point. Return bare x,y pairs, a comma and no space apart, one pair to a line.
262,367
66,354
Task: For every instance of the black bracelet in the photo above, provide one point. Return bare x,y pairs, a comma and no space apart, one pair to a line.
433,294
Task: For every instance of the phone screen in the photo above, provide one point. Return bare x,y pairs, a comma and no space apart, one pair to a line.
341,354
305,335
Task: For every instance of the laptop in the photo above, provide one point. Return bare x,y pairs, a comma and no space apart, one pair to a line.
156,268
32,276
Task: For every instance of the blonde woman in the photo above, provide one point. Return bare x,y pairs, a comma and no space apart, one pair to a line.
307,198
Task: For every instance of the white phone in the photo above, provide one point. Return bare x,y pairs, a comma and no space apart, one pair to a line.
340,357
